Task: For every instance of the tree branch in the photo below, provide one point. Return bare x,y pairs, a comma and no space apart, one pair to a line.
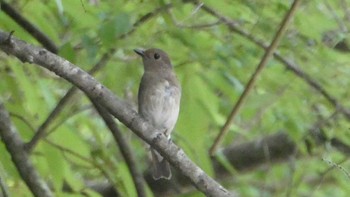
124,149
118,108
296,69
245,157
3,187
62,103
99,65
29,27
20,158
267,56
248,156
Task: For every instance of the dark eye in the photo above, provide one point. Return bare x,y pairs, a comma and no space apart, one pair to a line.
156,56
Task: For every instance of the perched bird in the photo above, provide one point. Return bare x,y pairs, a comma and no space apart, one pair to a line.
159,100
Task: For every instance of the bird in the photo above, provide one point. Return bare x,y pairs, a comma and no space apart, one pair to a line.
159,101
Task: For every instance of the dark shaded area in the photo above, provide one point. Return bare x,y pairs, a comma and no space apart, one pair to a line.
244,157
250,155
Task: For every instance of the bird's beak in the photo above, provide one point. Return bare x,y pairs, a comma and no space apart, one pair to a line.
140,52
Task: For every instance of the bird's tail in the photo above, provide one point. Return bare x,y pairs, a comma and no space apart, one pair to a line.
161,167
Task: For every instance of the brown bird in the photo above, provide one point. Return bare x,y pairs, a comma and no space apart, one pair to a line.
159,100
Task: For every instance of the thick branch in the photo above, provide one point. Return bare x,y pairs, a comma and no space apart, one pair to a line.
63,102
14,145
244,157
100,64
118,108
248,156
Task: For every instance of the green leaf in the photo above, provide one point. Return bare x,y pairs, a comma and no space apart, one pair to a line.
56,165
122,24
123,173
68,52
107,33
113,28
90,46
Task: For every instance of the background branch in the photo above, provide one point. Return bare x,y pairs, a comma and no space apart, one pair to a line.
268,53
296,69
14,145
29,27
244,158
124,148
3,187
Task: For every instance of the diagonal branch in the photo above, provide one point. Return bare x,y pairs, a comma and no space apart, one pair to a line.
29,27
100,64
267,56
289,65
63,102
118,108
4,190
20,158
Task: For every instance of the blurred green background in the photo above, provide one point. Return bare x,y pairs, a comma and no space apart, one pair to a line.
213,64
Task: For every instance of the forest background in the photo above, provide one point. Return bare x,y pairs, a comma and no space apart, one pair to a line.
290,137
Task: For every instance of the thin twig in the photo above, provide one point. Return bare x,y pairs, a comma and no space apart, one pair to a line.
296,69
346,9
24,120
341,24
65,119
68,151
71,152
314,84
95,164
196,26
324,174
341,168
268,54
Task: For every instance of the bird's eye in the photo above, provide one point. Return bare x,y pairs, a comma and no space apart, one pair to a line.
156,56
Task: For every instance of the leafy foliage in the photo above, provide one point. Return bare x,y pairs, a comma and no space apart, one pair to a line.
213,65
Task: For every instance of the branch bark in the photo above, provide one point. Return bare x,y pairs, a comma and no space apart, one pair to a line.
20,158
242,157
99,65
118,108
249,156
50,45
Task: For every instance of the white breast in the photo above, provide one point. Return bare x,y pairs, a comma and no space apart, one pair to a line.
163,106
